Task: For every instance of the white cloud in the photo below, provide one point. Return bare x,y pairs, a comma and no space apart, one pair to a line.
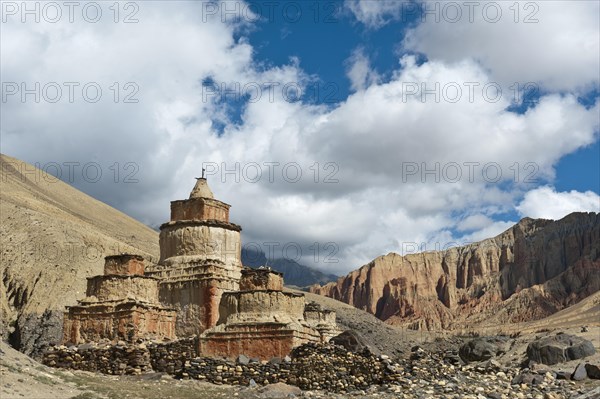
375,14
491,230
558,52
384,128
547,203
474,222
359,71
552,44
366,143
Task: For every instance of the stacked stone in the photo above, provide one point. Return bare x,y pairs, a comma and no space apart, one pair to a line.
237,373
335,369
124,358
328,368
312,366
171,357
107,359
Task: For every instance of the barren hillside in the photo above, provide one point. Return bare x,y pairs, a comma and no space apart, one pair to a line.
52,237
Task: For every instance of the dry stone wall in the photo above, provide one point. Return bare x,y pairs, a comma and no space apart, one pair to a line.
311,366
123,358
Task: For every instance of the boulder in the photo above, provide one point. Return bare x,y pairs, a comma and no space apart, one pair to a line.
483,348
279,391
559,348
86,346
593,371
579,374
243,359
350,340
537,379
563,375
522,378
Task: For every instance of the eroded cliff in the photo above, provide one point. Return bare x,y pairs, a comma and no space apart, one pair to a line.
530,271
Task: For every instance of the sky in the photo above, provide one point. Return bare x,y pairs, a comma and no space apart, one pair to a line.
338,131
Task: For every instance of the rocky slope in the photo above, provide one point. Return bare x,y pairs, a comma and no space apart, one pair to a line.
52,237
529,272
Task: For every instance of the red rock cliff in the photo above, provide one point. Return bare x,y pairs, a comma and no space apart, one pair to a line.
533,269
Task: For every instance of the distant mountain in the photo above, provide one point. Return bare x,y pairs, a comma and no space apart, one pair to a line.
293,273
532,270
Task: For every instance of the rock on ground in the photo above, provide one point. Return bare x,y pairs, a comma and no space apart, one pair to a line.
483,348
559,348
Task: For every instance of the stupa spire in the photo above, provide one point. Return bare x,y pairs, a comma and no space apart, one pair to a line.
201,189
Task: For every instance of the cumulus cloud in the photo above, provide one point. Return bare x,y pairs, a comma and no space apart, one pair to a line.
390,166
375,14
547,203
553,44
389,126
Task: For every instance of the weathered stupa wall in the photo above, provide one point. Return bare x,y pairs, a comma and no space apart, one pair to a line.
122,304
195,299
199,209
124,264
260,321
261,306
187,241
117,287
322,320
125,321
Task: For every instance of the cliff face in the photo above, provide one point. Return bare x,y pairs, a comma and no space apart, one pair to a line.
530,271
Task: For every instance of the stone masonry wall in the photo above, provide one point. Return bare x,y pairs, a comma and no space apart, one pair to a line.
123,358
311,366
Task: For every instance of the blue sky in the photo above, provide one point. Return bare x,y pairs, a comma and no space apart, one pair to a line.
371,132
